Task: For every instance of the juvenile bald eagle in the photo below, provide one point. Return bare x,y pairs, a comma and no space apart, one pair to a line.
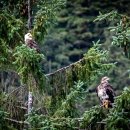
30,42
105,93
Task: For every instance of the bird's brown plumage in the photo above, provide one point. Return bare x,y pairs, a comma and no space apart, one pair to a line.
105,92
30,42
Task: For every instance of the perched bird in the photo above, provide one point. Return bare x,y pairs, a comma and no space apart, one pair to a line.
30,42
105,93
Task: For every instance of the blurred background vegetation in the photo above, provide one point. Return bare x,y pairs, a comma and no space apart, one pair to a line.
72,36
75,31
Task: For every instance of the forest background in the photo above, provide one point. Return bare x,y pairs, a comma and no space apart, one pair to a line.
74,34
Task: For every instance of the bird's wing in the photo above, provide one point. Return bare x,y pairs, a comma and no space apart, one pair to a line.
111,94
109,90
34,44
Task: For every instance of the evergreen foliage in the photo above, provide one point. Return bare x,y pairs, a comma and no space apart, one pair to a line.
93,65
118,118
16,56
27,62
65,96
13,27
70,46
11,31
4,125
46,16
115,118
68,108
121,29
92,116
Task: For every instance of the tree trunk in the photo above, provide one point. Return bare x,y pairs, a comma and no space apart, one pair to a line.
30,100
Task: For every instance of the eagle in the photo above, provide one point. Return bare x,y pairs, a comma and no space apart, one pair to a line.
30,42
105,93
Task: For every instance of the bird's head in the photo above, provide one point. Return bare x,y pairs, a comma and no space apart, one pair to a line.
105,79
28,36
